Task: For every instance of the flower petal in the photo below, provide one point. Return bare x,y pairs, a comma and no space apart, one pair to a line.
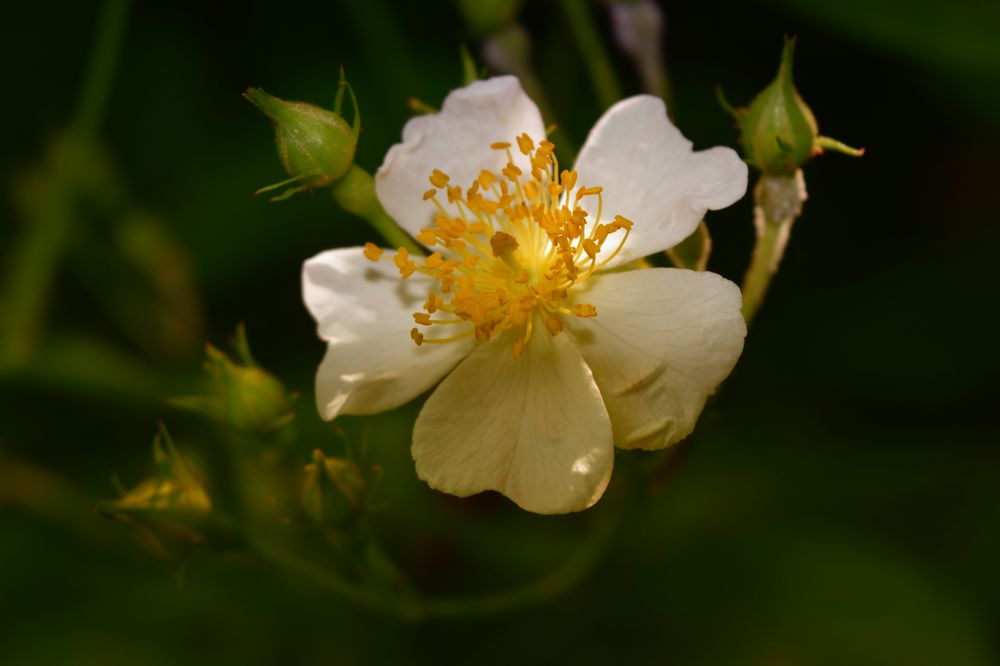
364,312
651,176
533,428
661,342
456,141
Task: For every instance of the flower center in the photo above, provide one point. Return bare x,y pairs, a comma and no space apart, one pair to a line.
513,246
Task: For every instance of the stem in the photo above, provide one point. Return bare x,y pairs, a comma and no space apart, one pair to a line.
777,204
33,262
412,608
355,193
592,49
322,576
536,592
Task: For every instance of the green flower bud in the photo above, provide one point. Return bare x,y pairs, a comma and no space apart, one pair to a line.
244,395
250,398
315,146
779,130
333,490
170,513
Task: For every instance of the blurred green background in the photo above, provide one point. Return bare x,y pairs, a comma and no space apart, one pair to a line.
838,504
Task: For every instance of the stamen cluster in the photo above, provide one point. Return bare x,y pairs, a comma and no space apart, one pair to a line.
512,246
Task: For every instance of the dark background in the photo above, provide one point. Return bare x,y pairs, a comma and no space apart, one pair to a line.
838,504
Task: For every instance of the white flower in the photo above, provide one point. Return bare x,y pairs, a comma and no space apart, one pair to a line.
549,357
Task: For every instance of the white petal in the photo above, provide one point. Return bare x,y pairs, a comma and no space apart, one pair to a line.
533,428
661,342
456,141
364,312
651,176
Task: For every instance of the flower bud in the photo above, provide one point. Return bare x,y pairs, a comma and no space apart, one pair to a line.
250,398
170,513
315,146
779,130
244,395
333,490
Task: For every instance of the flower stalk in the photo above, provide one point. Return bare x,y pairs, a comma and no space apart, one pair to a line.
778,202
355,193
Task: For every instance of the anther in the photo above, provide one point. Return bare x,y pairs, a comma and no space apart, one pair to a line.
525,143
502,243
438,178
403,263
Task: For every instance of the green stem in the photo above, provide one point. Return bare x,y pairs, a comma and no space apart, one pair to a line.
778,203
412,608
355,193
533,593
758,277
34,259
323,577
592,49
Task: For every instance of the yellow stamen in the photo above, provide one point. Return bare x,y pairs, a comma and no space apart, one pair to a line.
373,252
517,242
511,171
525,143
502,243
404,264
439,179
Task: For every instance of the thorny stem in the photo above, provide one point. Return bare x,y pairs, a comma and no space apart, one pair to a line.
777,204
595,56
34,259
